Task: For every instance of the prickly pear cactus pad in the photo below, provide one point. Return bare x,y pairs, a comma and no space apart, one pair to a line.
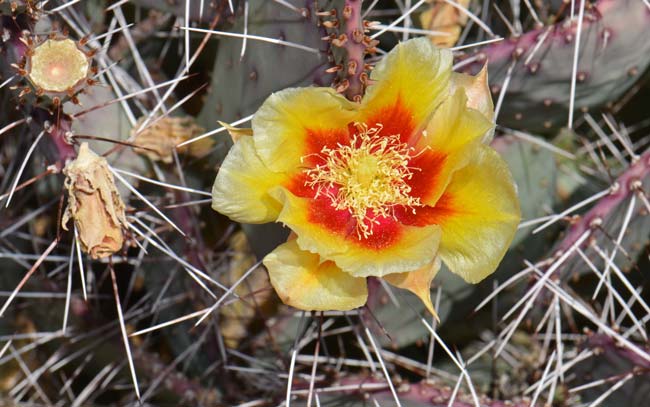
324,203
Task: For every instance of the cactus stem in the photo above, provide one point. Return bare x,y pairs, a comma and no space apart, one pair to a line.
352,86
628,184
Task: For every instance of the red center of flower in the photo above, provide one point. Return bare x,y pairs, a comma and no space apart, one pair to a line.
367,177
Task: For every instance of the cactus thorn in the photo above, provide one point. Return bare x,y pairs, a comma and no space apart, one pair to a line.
25,91
340,41
347,12
363,77
595,223
343,86
367,25
369,42
357,36
331,24
329,13
352,67
636,184
334,69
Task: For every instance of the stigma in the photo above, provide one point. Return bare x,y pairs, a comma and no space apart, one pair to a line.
368,177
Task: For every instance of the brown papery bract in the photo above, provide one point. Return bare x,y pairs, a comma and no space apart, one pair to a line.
94,204
160,137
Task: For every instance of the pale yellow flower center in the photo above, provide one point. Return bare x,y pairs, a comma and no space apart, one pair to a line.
368,177
58,65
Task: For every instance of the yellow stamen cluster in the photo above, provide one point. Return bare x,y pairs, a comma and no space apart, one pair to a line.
367,177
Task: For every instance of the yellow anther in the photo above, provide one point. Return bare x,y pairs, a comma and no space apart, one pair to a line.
368,177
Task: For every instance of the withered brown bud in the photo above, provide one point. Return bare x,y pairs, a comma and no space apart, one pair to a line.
94,204
159,138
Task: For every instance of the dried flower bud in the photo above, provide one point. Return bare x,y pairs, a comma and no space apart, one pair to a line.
236,319
94,204
159,139
57,65
445,19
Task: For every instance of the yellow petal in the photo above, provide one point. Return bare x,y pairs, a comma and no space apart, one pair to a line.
236,132
413,77
478,94
302,281
452,134
418,282
454,125
393,247
240,190
296,122
478,213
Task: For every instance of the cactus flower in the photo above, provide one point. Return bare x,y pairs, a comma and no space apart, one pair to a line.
389,187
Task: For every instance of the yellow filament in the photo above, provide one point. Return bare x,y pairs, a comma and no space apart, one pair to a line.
367,177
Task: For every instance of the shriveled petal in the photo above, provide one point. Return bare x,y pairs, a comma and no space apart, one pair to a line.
392,248
478,214
451,135
302,281
444,18
297,122
478,94
240,190
406,87
418,282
